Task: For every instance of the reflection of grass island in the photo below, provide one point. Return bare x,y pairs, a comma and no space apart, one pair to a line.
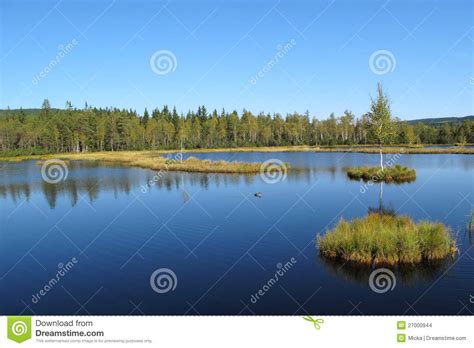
396,174
387,239
155,160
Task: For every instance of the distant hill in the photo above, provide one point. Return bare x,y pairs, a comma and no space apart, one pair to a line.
434,121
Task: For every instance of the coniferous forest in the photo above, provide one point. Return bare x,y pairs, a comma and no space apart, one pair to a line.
50,130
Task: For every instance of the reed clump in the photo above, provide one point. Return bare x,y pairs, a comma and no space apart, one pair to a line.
397,174
387,239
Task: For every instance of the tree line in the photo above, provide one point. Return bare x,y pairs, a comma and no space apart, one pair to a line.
110,129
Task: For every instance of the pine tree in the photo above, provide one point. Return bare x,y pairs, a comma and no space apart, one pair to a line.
145,118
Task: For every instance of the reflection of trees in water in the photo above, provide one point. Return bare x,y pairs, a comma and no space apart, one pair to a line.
177,181
309,174
89,179
382,209
76,187
405,274
73,188
174,180
16,192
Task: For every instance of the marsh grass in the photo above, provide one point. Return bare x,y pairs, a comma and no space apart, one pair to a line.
17,156
156,161
387,239
395,173
390,149
394,149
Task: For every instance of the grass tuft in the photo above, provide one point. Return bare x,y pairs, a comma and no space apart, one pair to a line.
386,239
397,174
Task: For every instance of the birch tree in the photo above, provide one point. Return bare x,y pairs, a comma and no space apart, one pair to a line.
380,121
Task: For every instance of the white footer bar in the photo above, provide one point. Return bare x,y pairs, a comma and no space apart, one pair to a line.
237,331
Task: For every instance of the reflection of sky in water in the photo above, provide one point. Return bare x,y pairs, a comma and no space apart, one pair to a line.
208,227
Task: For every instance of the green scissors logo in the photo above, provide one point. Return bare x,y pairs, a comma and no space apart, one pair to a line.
316,322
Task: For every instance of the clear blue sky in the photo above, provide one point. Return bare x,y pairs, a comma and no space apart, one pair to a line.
220,46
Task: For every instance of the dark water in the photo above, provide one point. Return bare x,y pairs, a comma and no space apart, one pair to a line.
222,243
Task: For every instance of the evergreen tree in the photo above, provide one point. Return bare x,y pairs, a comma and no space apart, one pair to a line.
145,118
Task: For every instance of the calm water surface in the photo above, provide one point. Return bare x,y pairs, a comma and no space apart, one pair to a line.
222,243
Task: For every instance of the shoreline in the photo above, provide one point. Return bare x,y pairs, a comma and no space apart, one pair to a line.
300,148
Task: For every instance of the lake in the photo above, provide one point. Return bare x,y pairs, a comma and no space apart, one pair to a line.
222,249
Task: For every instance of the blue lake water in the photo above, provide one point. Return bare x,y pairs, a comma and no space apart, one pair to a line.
222,243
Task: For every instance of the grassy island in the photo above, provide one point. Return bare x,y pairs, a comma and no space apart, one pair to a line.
387,239
156,161
396,174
